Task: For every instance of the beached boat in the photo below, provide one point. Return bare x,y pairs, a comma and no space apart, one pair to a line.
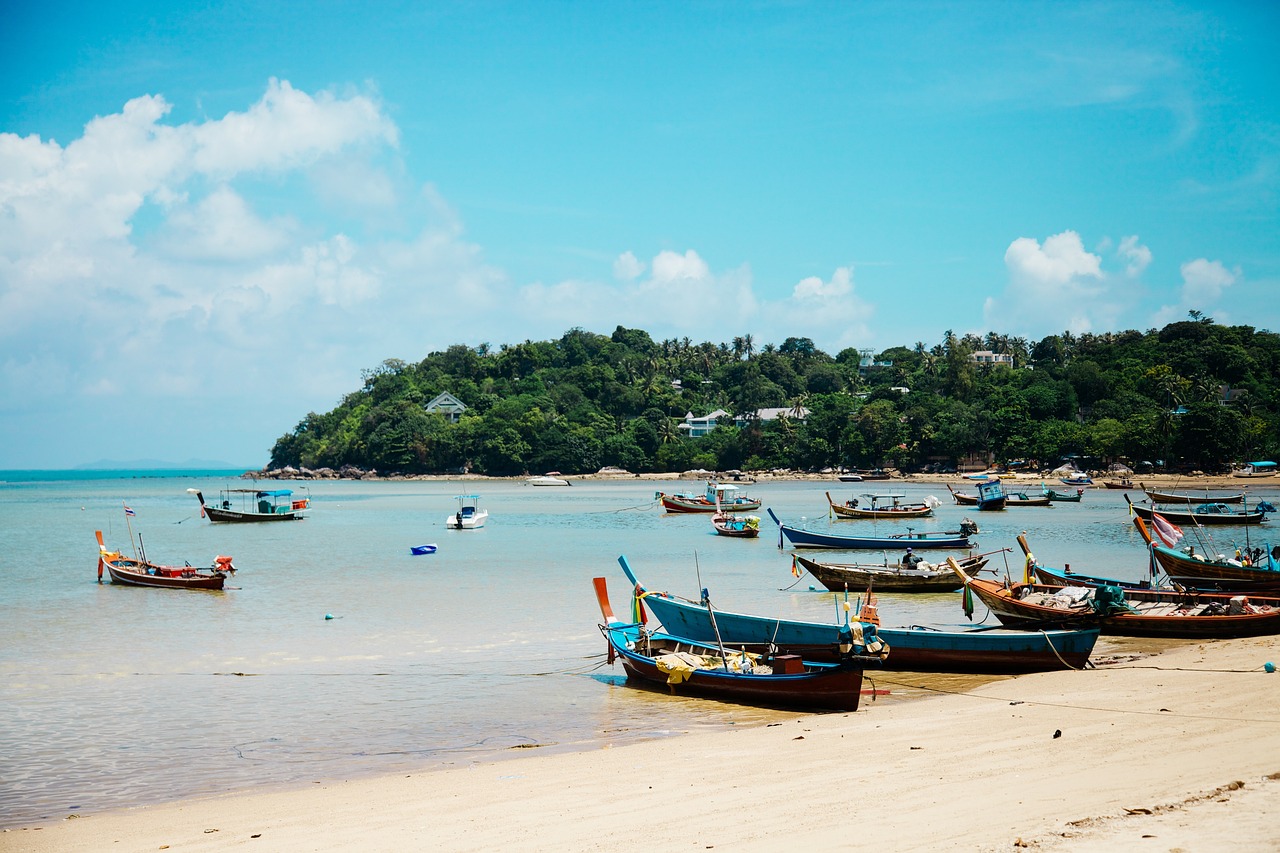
552,478
1249,569
916,648
1207,497
1122,483
1256,469
468,516
989,496
1181,614
131,571
725,494
916,576
249,505
752,676
1061,497
802,538
882,506
1206,514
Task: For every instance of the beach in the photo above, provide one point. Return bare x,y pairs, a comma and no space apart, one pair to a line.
1174,751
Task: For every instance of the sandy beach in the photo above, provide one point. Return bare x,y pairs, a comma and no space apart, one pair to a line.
1174,751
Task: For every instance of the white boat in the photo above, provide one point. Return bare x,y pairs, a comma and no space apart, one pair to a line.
551,478
1256,469
469,515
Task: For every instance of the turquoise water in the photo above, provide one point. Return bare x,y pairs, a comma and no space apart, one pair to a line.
118,696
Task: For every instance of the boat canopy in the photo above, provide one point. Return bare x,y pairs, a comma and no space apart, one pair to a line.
1262,464
272,493
884,497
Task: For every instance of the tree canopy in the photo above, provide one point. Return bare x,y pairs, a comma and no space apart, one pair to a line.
1193,394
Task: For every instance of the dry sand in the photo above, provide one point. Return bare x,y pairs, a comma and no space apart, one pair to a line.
1177,751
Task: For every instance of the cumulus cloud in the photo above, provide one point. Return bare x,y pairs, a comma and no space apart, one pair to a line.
181,267
1055,286
1203,282
626,267
1135,256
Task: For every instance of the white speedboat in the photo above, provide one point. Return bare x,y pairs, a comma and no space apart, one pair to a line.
469,514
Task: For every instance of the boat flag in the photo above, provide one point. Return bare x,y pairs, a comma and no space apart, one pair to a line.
1170,534
795,567
128,511
1027,573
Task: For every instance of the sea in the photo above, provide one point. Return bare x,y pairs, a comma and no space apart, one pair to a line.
335,653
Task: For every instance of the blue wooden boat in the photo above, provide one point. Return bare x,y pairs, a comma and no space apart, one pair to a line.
748,673
419,550
914,649
801,538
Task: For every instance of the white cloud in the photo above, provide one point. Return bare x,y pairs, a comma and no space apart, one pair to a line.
670,267
1136,257
1203,282
627,267
1054,287
145,262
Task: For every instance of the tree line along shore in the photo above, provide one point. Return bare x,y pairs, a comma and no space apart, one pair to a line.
1194,396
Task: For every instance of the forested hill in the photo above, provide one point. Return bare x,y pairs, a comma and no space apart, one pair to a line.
1193,394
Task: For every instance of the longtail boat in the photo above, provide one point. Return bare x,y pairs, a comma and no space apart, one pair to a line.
1181,614
137,571
246,505
888,577
1206,514
736,526
915,648
724,494
1207,497
1249,570
802,538
882,506
753,676
1061,497
1122,483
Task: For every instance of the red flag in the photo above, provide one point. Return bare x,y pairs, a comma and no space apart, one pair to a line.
1170,534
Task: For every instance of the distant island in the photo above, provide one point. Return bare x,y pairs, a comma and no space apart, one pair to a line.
1194,395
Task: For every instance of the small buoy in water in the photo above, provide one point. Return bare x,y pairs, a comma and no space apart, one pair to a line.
1269,666
328,616
812,587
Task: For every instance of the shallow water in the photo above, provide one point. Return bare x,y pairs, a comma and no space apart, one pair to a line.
118,696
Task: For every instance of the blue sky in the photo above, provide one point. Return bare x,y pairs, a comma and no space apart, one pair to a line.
214,215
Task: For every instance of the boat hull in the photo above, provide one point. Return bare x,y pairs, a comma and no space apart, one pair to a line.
911,649
831,688
1182,516
838,577
682,503
129,572
230,515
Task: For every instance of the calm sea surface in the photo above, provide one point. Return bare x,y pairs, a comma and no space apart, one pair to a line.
116,696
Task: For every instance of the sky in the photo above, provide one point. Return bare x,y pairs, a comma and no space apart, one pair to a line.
215,215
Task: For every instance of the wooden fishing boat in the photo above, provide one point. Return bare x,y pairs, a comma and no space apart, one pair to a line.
468,516
1207,497
888,577
989,496
1024,499
1181,614
1061,497
916,648
1122,483
247,505
752,676
130,571
1249,570
737,526
1206,514
724,493
422,550
802,538
882,507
